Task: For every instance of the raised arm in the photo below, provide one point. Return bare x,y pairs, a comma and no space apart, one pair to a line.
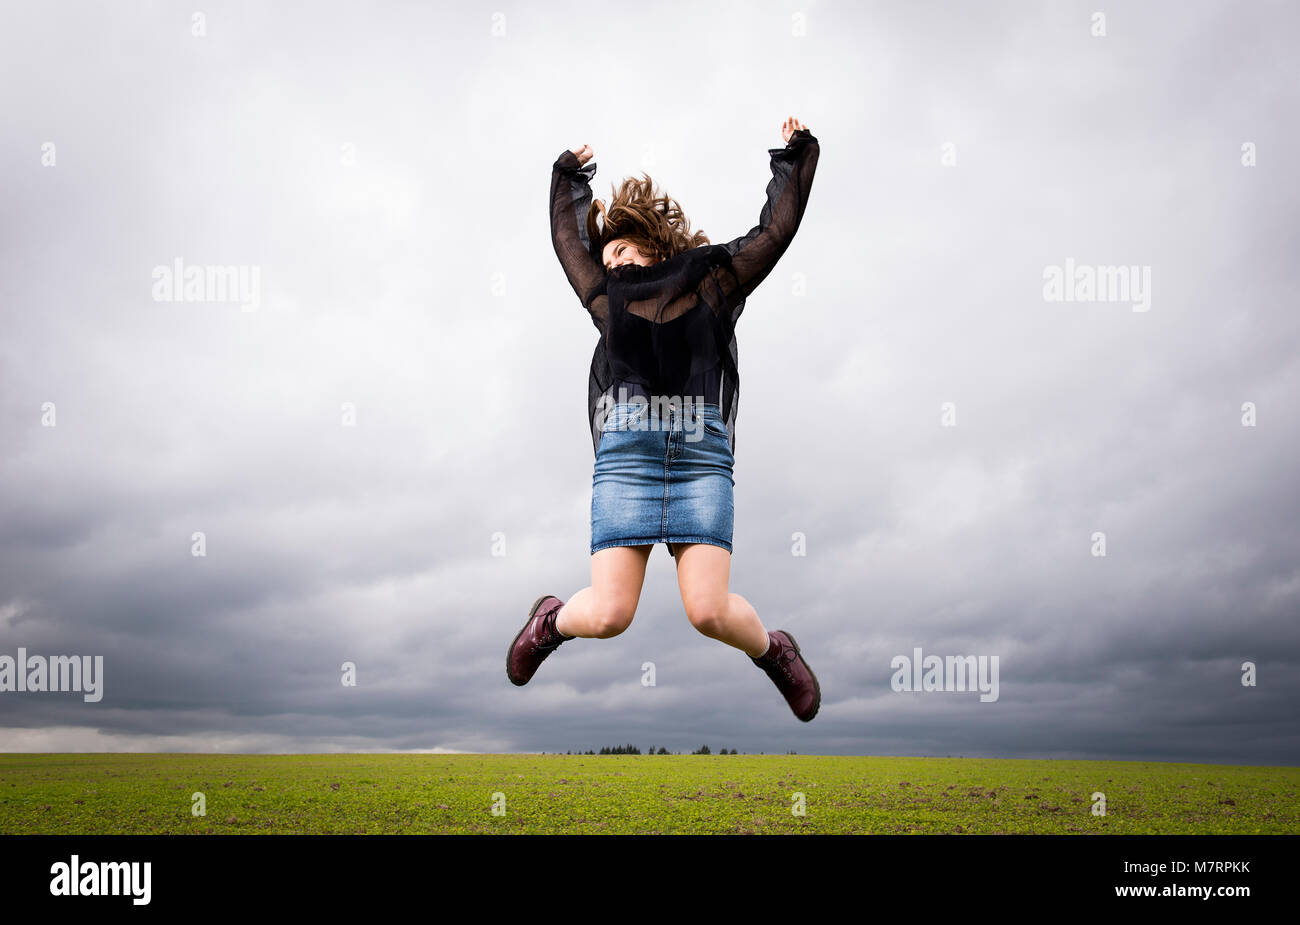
754,254
570,199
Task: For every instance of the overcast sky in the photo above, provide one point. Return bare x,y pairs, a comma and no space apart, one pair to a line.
383,169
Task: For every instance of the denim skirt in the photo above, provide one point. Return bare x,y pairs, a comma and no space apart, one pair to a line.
663,475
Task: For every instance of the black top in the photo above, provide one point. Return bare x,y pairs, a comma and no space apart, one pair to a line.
669,328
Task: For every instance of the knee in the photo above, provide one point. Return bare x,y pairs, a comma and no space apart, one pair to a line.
708,614
613,617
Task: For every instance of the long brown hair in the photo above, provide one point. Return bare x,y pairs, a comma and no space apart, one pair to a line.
650,219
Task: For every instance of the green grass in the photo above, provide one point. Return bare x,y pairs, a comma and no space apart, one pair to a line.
105,793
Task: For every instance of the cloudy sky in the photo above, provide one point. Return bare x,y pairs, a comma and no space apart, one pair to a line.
951,444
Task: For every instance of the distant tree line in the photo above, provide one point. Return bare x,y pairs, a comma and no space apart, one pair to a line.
633,750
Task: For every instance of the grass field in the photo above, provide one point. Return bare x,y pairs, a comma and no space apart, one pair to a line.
99,793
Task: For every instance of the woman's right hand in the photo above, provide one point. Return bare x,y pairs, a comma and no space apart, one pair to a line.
790,126
584,153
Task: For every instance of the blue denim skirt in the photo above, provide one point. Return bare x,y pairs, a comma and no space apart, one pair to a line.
663,475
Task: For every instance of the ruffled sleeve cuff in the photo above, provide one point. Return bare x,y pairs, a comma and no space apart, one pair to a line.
567,164
798,140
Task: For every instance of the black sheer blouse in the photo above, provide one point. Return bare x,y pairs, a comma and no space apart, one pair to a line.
669,328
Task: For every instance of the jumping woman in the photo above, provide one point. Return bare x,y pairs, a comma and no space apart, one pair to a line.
662,401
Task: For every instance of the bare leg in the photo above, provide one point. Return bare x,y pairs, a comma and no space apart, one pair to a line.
703,573
606,607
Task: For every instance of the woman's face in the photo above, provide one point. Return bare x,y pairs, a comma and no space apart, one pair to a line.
621,251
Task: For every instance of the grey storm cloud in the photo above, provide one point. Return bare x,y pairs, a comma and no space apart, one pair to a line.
384,169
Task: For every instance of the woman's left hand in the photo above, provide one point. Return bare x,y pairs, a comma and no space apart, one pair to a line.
790,126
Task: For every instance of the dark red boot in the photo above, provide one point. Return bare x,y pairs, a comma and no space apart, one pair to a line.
538,639
791,675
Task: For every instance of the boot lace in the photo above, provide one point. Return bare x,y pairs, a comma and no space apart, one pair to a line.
550,632
782,661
